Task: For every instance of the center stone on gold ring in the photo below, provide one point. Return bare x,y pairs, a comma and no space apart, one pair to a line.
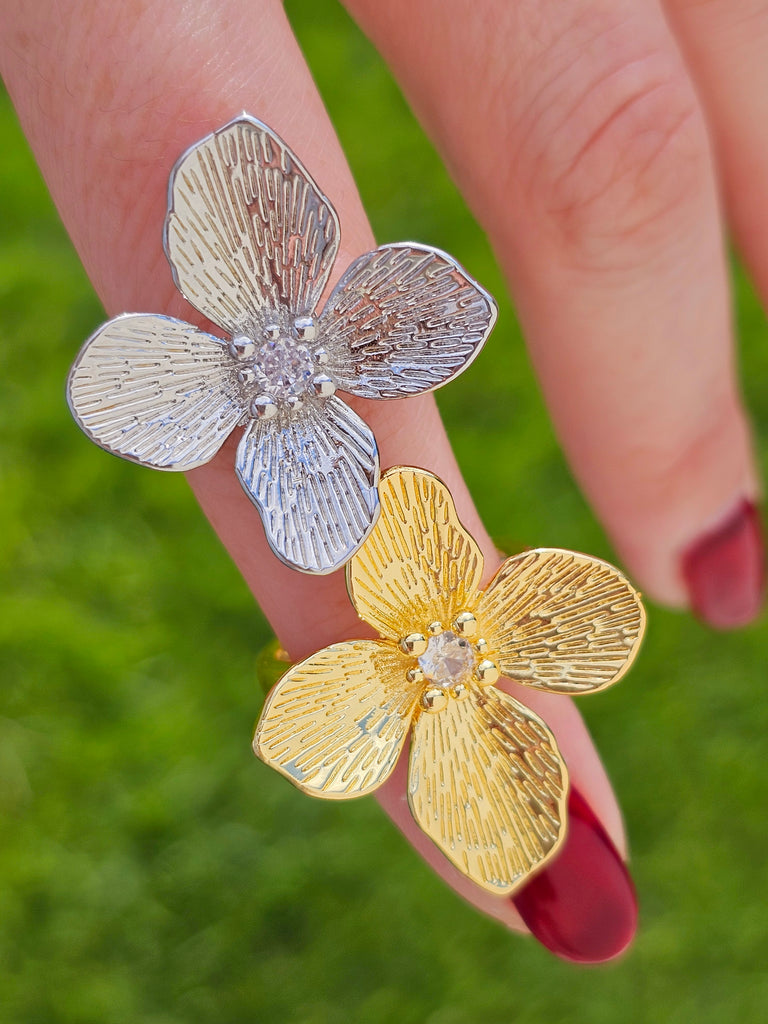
448,660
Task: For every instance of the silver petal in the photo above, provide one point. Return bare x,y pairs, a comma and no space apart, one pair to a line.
313,476
248,231
156,391
404,319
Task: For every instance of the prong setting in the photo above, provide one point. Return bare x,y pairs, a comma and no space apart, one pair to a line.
465,624
263,407
414,675
447,662
415,644
285,362
434,699
323,385
487,672
242,347
304,329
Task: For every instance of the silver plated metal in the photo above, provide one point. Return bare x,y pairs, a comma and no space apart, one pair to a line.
252,241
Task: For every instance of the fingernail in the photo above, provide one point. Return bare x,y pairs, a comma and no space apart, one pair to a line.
582,906
725,571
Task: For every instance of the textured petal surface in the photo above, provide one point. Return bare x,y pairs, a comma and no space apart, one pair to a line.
336,723
313,477
156,391
404,319
487,784
419,564
561,621
248,231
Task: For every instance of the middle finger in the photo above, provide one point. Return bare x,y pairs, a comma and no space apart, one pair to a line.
577,136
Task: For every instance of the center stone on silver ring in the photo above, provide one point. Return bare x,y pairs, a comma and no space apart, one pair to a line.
448,659
286,365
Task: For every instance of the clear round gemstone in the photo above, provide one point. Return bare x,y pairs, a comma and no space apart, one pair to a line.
287,366
448,659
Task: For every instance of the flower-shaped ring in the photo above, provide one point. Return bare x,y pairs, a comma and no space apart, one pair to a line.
251,241
486,781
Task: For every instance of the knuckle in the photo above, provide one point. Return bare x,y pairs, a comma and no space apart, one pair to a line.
632,154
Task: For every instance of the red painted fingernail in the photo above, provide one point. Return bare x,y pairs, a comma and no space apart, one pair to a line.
582,906
725,571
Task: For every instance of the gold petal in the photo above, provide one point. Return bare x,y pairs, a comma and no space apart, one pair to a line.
487,784
335,723
561,621
419,565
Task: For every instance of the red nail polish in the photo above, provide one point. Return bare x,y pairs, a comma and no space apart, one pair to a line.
725,571
582,906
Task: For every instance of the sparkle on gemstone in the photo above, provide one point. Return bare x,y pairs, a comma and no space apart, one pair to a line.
448,659
286,365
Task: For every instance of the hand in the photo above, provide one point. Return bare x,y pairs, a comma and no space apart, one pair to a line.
605,217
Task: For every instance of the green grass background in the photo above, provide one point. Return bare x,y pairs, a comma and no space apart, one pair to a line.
151,870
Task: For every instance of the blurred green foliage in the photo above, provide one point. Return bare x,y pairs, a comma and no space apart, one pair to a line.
151,870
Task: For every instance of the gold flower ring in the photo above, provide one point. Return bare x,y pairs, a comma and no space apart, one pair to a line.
486,781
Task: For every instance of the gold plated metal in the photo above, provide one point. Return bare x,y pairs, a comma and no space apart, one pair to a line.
465,624
434,699
487,672
414,643
486,781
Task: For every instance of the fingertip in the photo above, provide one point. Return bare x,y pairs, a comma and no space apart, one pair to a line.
582,907
725,572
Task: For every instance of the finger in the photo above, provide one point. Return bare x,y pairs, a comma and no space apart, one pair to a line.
577,137
726,46
108,109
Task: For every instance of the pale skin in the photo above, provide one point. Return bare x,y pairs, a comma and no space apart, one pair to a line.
602,144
